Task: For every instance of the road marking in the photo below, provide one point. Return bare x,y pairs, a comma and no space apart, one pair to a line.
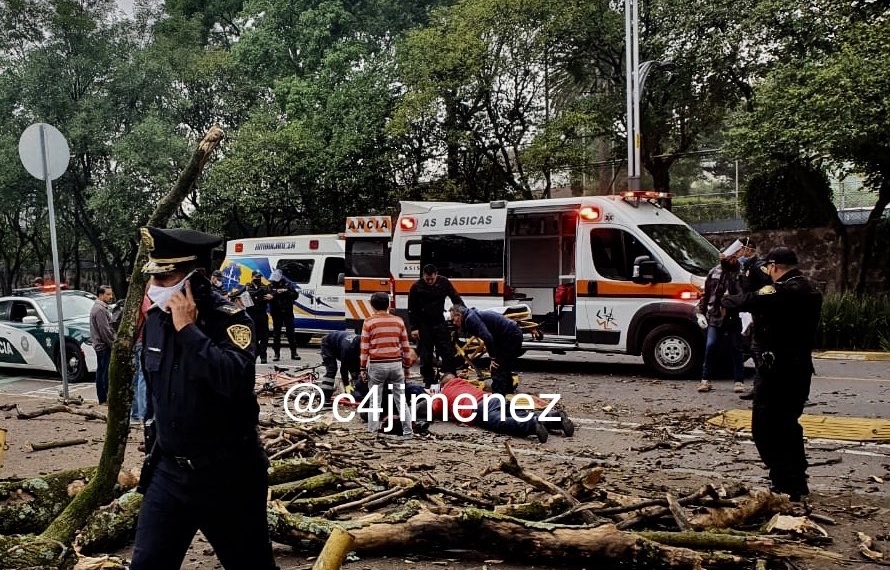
852,379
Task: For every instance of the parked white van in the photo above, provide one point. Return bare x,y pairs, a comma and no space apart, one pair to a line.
616,274
314,264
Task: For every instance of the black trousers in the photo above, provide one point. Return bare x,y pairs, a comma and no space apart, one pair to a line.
509,349
780,394
261,325
278,319
435,336
180,501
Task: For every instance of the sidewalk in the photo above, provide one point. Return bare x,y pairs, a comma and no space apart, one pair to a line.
868,355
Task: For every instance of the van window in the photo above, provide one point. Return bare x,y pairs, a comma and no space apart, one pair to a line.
297,270
333,267
614,252
367,257
689,249
479,256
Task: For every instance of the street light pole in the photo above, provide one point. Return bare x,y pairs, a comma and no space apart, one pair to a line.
630,65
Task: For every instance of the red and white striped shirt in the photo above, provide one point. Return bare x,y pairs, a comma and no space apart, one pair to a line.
384,339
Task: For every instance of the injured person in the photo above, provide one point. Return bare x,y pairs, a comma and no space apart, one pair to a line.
465,402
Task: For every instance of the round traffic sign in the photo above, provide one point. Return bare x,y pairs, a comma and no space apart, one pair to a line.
32,143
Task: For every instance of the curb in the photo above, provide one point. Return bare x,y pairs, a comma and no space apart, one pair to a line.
871,356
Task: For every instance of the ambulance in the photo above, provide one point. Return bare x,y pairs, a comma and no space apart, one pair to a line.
368,245
314,264
611,274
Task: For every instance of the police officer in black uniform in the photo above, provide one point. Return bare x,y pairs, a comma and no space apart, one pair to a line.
260,295
426,311
788,315
282,305
198,360
752,277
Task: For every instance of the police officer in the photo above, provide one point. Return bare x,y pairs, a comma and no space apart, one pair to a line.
502,338
344,346
282,305
216,280
198,360
260,295
426,311
788,315
752,277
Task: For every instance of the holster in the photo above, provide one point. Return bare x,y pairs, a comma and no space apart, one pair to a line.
151,457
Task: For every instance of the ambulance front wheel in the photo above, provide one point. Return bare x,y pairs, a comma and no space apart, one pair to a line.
673,351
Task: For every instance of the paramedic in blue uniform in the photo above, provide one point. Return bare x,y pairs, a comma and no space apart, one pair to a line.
206,469
502,338
345,347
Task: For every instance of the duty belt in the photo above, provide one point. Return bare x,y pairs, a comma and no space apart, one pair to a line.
208,459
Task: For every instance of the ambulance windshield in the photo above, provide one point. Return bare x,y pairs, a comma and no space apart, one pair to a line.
690,250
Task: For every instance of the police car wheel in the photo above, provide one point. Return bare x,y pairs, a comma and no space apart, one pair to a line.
672,351
77,366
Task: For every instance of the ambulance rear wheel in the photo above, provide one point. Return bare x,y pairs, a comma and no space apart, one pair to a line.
672,351
302,339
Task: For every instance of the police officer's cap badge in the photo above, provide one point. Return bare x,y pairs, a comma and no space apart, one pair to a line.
240,335
766,290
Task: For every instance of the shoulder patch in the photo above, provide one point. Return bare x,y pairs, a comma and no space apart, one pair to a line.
229,309
240,335
767,290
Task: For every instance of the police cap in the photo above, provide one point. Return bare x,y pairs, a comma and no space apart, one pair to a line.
176,248
782,256
256,274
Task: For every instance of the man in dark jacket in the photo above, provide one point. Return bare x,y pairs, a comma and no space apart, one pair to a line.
282,308
344,346
788,316
426,310
502,338
199,365
752,277
260,295
722,326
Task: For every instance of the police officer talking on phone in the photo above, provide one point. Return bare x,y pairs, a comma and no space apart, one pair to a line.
206,469
788,316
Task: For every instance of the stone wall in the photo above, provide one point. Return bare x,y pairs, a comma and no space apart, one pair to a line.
819,252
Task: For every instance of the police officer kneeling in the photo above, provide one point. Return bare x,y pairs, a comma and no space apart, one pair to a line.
206,470
788,315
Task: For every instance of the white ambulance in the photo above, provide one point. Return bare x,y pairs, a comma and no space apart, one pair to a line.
314,264
615,274
368,243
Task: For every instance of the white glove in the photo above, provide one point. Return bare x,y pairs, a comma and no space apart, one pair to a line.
702,321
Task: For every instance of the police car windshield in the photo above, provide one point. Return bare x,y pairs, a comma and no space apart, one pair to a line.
691,251
73,306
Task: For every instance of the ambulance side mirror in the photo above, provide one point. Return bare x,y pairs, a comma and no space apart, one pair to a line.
647,270
341,278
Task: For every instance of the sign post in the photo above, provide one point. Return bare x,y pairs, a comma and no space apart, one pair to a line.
44,153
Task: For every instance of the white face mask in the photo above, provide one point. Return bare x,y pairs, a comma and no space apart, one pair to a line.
161,295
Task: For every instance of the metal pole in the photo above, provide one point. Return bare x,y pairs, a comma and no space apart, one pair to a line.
628,57
63,358
737,215
635,31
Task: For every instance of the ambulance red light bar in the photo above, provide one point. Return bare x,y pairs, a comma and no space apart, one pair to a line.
239,247
646,194
313,244
589,213
408,223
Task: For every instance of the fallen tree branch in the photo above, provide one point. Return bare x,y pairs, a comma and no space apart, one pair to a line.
757,544
336,548
59,409
312,484
57,444
677,512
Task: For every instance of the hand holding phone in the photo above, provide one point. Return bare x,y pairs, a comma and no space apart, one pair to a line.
182,307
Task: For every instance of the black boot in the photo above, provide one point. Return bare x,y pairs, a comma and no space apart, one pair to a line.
568,427
277,357
541,431
294,355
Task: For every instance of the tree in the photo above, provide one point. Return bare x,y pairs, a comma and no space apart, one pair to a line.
830,108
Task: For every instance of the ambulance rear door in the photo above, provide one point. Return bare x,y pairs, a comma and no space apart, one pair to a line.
368,246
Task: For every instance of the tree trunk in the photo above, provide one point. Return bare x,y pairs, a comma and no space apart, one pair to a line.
120,374
29,506
111,527
868,238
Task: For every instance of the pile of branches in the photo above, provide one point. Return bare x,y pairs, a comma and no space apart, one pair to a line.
328,497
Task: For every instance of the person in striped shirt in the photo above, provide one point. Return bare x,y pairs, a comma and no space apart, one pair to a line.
384,361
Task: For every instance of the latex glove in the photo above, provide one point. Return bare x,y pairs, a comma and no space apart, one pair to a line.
702,321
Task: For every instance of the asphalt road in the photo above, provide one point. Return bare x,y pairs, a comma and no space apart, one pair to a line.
621,411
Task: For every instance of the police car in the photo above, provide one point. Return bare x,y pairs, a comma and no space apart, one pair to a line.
29,331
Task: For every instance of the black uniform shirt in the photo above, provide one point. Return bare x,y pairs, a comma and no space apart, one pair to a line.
201,379
788,314
426,303
258,295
